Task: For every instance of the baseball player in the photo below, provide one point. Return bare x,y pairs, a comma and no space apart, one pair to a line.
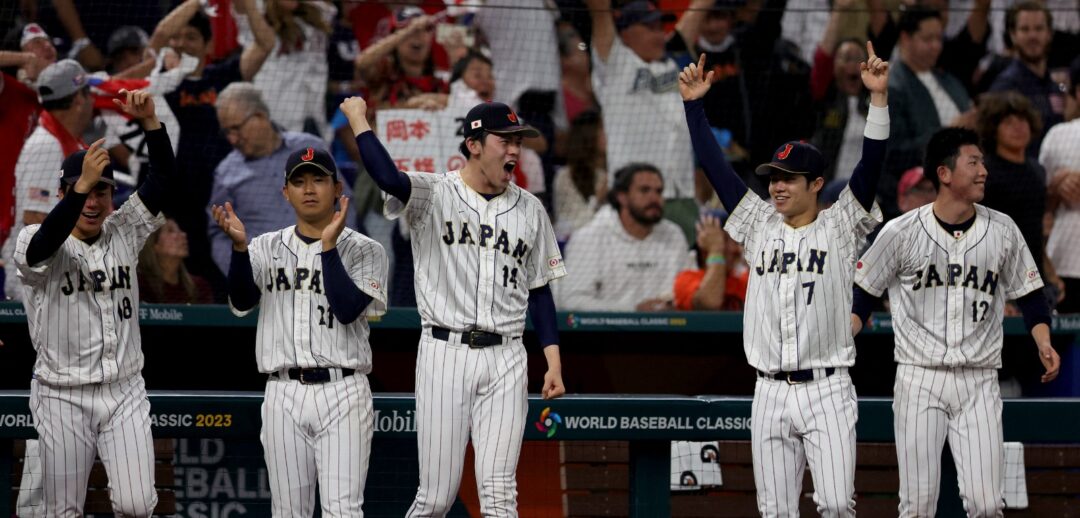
949,266
796,333
316,281
484,252
81,296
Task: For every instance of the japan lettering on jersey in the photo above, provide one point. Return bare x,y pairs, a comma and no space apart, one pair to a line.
82,303
296,326
476,260
948,293
798,301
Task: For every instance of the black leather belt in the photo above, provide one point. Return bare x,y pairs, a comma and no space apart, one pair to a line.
795,377
316,375
474,339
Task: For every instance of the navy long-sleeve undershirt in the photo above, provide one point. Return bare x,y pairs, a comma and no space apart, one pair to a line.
381,167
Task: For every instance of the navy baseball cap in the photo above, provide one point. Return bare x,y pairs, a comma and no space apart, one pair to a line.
71,170
640,11
310,159
796,158
494,117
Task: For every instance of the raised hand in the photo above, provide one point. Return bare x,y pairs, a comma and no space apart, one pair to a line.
234,228
710,235
693,81
875,71
94,163
139,104
355,110
337,224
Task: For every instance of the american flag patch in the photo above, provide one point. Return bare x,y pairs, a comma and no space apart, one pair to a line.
39,194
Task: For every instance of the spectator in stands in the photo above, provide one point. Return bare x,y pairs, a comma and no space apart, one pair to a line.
922,99
253,174
959,53
1028,24
581,185
914,190
636,84
90,23
201,146
399,69
525,51
842,102
1060,156
761,94
126,49
577,89
163,279
295,75
720,279
1015,183
471,81
627,257
64,91
18,70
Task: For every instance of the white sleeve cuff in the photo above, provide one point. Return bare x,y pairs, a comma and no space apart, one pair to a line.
877,123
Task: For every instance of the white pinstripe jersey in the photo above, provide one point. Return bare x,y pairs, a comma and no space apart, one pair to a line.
475,259
296,327
798,302
82,304
947,294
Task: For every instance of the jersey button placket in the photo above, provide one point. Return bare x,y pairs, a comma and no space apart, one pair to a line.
488,272
789,353
302,329
954,331
108,314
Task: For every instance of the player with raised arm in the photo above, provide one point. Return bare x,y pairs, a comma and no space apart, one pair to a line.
81,296
316,283
796,332
949,267
484,252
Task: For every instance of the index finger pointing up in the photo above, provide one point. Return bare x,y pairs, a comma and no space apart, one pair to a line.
870,51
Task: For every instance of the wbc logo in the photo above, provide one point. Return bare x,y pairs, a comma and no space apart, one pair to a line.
783,154
308,155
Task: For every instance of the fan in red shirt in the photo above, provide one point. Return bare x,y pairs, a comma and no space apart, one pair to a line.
719,282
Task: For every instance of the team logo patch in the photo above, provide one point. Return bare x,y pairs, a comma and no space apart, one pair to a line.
858,265
1032,274
512,117
374,285
474,124
554,261
783,154
308,155
549,422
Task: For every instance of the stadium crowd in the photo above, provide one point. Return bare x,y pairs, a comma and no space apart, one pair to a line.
241,84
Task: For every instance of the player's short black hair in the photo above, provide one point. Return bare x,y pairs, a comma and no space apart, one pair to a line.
624,178
201,23
464,148
463,63
910,19
1027,5
944,148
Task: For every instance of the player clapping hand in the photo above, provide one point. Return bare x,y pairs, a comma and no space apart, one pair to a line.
231,224
337,224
